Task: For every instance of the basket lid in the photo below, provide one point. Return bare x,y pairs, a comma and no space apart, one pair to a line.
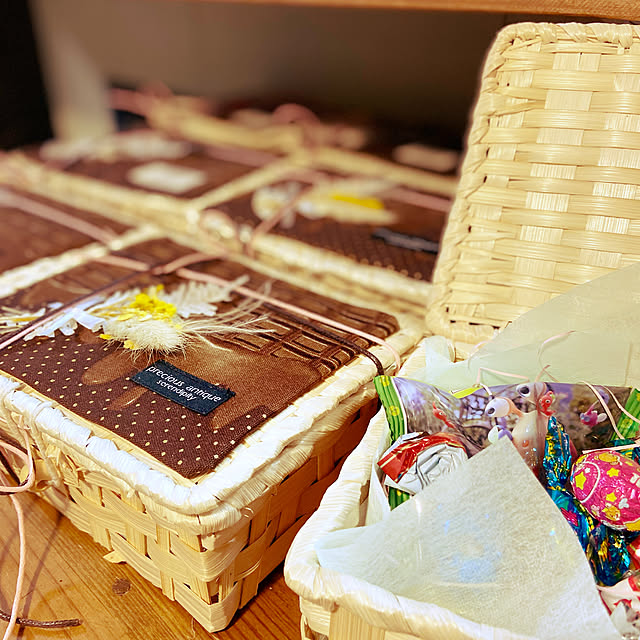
549,195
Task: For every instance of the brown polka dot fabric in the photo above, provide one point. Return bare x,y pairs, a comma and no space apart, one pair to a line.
360,242
267,371
29,237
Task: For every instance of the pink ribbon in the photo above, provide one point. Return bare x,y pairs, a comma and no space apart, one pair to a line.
46,212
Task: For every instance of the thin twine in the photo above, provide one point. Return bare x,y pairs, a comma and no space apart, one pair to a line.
425,200
499,373
12,618
476,347
267,225
544,343
9,199
613,423
543,371
178,268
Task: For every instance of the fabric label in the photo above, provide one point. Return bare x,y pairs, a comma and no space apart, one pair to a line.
181,387
406,241
170,178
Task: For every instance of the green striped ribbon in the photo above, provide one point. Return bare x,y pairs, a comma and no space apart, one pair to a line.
627,427
395,418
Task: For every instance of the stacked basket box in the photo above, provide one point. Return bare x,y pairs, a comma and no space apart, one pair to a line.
549,197
378,231
377,217
206,538
206,541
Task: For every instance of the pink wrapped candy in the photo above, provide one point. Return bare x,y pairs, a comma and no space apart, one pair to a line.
607,484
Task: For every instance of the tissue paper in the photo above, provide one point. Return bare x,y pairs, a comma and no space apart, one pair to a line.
589,333
485,542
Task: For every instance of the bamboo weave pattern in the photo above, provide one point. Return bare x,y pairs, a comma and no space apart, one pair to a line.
549,195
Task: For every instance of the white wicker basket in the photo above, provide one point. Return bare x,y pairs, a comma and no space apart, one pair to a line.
340,607
556,102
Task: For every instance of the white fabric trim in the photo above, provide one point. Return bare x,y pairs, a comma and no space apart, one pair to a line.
255,465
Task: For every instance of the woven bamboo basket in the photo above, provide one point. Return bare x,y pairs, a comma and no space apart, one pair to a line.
286,129
332,605
549,197
550,187
210,569
206,540
381,268
351,258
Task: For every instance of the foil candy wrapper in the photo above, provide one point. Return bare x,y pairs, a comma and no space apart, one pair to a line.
605,548
607,483
415,460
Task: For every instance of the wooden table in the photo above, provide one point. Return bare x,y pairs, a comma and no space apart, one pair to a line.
67,577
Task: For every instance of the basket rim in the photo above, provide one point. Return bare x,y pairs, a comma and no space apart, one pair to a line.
244,475
327,589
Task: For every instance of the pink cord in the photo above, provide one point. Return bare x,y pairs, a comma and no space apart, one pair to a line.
243,155
177,266
543,344
292,112
266,225
308,120
9,199
426,200
6,489
21,566
185,261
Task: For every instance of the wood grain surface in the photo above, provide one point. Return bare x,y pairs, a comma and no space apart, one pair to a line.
616,9
67,577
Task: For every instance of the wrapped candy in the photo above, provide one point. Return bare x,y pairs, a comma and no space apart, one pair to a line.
623,603
415,460
607,484
413,406
529,432
606,549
